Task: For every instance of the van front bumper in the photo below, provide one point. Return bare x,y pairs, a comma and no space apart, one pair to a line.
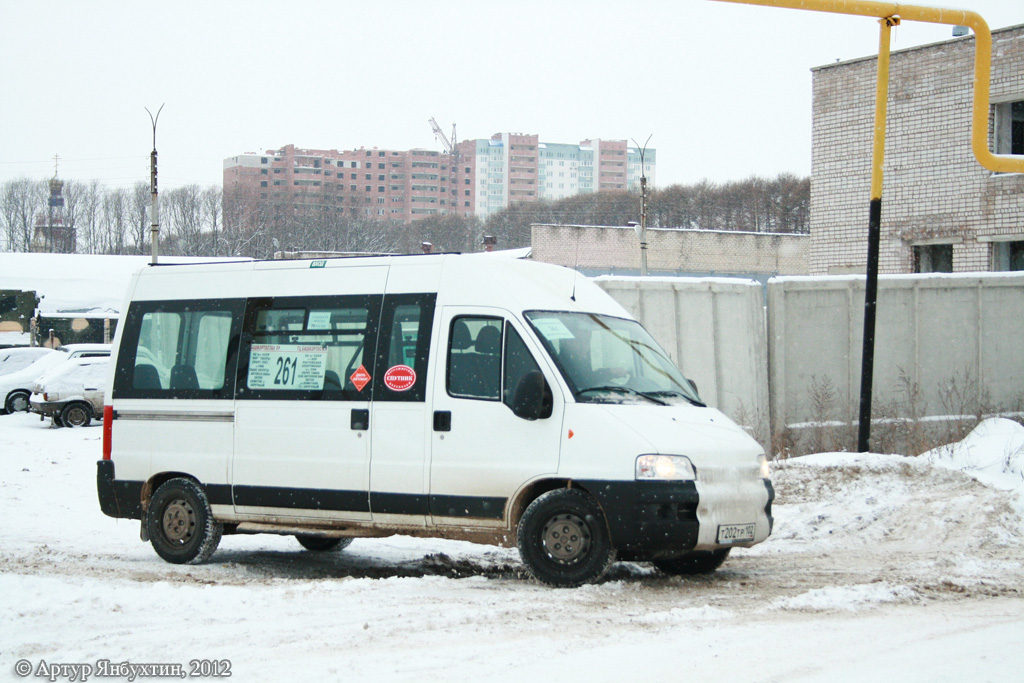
654,517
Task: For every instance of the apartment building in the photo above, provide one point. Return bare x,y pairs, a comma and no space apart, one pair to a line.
481,177
388,184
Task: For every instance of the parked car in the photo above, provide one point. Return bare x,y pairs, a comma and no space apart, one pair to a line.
72,392
16,387
20,357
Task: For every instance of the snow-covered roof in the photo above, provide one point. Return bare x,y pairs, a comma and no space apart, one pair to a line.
82,284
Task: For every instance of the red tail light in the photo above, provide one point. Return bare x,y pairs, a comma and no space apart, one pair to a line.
108,420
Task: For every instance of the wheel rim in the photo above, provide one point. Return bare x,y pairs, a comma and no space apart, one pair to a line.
179,521
566,538
19,403
75,417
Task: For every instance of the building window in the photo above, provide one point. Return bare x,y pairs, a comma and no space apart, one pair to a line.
1008,256
933,258
1010,128
369,176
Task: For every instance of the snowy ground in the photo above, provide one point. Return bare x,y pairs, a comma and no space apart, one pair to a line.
880,568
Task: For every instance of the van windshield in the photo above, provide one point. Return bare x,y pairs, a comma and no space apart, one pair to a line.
611,360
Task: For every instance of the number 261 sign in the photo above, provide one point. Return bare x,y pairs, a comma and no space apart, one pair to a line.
287,366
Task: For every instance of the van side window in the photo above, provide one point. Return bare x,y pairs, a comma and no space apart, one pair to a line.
178,349
474,357
308,348
406,323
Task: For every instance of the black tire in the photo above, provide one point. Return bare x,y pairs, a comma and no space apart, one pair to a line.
696,562
563,539
322,544
76,414
180,525
17,401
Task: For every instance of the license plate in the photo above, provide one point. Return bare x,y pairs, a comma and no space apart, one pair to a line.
735,533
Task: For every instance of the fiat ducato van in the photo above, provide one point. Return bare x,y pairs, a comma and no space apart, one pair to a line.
455,396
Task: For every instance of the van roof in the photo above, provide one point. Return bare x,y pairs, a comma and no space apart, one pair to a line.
462,279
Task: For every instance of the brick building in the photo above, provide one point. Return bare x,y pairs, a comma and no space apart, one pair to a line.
483,177
614,250
941,210
391,184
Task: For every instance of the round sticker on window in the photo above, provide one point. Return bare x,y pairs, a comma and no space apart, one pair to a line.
399,378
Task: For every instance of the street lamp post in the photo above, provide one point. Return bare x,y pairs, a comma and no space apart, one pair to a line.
154,217
642,232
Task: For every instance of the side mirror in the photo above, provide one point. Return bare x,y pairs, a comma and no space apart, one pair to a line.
532,398
694,385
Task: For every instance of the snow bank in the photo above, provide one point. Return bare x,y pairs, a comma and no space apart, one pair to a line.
993,453
847,598
841,500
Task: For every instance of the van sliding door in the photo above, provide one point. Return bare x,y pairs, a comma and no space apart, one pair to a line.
302,446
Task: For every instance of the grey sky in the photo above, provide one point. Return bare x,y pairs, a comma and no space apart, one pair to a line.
723,88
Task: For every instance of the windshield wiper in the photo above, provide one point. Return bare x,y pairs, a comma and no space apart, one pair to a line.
624,390
672,392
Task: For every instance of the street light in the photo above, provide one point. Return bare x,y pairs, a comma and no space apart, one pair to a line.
642,231
154,218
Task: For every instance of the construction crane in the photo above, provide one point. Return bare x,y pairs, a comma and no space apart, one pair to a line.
451,147
439,134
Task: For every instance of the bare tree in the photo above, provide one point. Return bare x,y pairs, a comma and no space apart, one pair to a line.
212,199
116,221
138,214
21,201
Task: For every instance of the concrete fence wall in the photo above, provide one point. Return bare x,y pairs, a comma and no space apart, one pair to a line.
944,345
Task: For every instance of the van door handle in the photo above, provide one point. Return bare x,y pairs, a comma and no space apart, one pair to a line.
442,420
360,418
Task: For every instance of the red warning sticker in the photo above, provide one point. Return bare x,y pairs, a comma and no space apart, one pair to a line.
399,378
360,378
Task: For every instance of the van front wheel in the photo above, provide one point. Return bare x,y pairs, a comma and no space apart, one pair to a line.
180,524
563,539
696,562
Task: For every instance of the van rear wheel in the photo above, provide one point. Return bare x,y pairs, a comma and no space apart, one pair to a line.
322,544
696,562
563,539
180,524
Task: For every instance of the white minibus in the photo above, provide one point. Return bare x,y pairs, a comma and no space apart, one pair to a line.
472,397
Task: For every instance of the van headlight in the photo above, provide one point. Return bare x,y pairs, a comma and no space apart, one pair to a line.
765,470
664,468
